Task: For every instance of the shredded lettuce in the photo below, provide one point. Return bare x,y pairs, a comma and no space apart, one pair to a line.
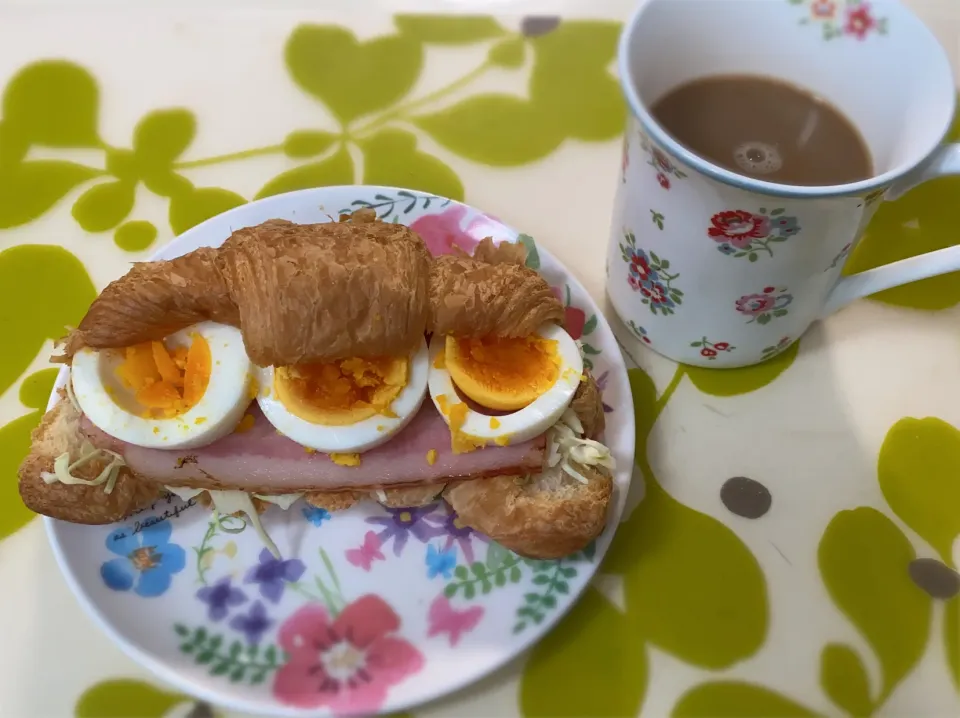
62,468
568,446
70,394
284,501
227,503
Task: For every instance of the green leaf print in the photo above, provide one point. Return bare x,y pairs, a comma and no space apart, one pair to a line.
163,135
919,222
335,170
951,638
126,698
590,665
249,664
495,129
350,77
54,285
29,189
844,679
735,699
863,559
919,474
480,578
308,143
53,103
448,29
104,206
135,236
391,158
710,607
193,205
731,382
14,445
571,86
508,53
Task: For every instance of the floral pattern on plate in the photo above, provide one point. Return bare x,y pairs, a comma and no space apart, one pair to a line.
368,609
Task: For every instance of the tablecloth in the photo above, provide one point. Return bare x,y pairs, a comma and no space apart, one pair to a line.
796,545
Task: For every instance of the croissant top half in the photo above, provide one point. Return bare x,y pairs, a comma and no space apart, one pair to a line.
320,292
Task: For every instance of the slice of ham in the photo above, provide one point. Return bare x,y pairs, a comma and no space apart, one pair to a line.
263,461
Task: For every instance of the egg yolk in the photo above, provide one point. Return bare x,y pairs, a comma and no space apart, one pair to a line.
341,392
166,382
502,374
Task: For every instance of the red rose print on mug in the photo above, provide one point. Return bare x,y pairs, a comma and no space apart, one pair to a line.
740,233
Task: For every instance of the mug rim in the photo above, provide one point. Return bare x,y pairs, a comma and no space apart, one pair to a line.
749,184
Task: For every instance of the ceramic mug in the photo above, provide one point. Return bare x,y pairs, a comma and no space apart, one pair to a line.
712,268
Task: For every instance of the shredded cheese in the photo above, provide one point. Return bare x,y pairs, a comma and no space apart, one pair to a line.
62,468
381,496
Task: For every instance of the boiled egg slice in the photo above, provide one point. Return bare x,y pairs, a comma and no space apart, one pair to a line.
184,392
346,406
526,382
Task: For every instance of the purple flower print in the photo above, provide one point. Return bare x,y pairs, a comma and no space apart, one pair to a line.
419,521
220,597
253,624
602,385
271,573
461,535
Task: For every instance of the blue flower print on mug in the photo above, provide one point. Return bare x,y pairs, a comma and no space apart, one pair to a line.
146,560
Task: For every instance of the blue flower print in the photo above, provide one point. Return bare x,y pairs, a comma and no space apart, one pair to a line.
271,573
441,562
727,249
315,516
147,560
220,597
253,624
786,226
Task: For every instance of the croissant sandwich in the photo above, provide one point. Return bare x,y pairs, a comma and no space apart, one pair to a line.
335,363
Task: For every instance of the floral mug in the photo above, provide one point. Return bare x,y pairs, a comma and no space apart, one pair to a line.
711,268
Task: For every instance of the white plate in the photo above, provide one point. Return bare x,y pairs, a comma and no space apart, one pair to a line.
431,606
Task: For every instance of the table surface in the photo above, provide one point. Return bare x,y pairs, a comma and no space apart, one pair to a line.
796,546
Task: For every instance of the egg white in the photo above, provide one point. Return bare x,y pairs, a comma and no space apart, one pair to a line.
526,423
220,408
350,438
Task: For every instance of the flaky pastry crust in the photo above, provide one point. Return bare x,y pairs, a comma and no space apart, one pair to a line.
587,404
298,293
489,294
536,517
59,432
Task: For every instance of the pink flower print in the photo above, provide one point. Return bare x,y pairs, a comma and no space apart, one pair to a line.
755,304
624,160
368,552
762,308
663,180
823,9
442,232
738,227
661,161
859,21
347,664
444,618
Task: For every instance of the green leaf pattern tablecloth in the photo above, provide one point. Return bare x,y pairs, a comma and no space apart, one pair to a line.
795,549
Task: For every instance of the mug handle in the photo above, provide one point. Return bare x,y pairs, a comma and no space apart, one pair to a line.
945,161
